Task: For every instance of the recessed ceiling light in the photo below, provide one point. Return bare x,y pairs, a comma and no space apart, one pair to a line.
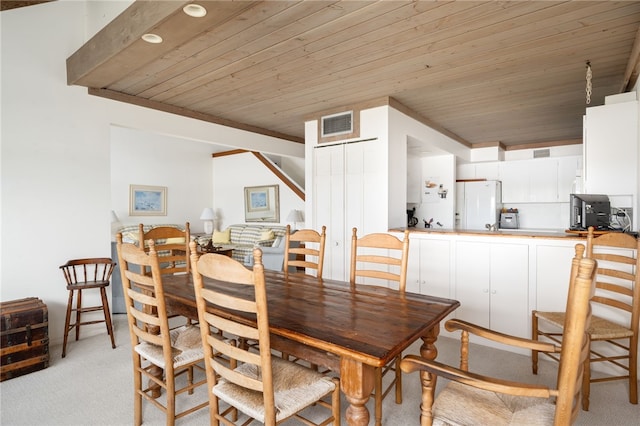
195,10
152,38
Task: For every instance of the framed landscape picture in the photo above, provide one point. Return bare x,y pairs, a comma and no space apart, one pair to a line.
147,200
261,204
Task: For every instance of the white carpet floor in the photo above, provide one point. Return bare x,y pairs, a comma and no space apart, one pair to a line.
93,386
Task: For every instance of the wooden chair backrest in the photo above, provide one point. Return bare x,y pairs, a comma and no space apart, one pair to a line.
172,246
234,274
617,280
311,247
144,297
374,256
96,270
575,343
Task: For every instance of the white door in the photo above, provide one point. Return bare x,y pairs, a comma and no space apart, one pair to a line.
329,206
350,192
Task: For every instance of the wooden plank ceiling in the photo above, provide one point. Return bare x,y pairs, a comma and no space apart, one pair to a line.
509,72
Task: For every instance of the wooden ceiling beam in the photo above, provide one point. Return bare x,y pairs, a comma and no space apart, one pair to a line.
110,42
185,112
633,66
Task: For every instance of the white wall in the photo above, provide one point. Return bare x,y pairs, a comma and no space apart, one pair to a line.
184,167
55,186
440,169
401,128
228,188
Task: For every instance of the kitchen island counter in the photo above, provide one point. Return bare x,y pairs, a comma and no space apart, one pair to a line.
512,233
499,277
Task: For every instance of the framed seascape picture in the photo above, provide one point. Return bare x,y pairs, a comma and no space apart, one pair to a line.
261,204
147,200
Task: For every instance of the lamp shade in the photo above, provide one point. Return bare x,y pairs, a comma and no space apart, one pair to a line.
294,216
207,214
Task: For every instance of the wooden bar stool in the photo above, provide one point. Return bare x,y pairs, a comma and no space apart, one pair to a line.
85,274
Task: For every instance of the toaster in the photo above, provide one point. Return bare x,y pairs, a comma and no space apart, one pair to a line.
509,220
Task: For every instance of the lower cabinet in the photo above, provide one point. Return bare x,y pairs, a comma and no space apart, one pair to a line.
429,268
553,266
497,280
492,285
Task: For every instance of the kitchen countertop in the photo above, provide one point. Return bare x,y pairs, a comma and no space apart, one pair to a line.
513,233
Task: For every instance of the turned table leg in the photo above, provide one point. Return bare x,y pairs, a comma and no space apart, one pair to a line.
356,383
428,350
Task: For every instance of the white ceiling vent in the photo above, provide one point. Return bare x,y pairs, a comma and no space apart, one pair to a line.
541,153
337,124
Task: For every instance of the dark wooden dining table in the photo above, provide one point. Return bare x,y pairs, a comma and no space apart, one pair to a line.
350,329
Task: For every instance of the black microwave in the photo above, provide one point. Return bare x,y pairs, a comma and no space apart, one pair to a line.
589,210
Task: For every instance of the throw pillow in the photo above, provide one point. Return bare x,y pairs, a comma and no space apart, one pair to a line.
175,240
221,237
267,234
276,242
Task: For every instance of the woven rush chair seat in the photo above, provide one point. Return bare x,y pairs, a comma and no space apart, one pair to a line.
295,387
458,404
600,328
186,348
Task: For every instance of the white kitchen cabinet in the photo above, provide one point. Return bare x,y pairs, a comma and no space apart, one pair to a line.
611,149
486,170
489,170
347,184
569,168
529,181
553,266
544,180
491,283
429,268
466,171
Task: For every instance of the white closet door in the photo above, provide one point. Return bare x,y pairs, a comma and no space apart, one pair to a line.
329,206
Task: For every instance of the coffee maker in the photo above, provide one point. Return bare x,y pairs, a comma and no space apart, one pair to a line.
412,221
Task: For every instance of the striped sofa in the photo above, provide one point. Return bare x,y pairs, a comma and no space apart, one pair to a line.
244,237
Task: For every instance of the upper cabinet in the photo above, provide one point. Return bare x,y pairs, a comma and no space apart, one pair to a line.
488,171
545,180
542,180
611,149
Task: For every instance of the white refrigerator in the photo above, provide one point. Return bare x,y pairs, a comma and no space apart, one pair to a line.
478,203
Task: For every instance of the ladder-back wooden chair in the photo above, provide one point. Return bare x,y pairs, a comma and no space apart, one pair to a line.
87,274
614,342
268,389
154,346
473,398
381,257
171,244
307,250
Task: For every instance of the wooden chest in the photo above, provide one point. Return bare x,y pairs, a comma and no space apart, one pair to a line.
24,330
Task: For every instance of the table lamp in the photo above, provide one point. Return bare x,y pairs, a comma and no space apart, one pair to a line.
208,216
294,217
